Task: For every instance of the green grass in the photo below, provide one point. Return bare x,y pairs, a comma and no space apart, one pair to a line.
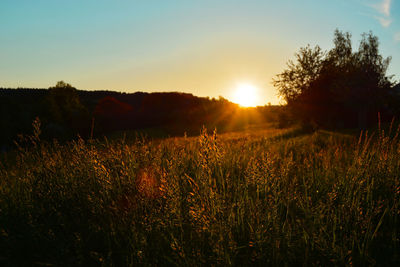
262,197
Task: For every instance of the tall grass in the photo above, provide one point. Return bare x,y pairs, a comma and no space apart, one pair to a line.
259,199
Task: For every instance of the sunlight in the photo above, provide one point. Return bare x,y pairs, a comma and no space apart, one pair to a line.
245,95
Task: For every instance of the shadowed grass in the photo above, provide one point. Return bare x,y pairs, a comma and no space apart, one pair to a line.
261,198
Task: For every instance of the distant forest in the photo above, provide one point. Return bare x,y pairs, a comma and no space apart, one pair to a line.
65,112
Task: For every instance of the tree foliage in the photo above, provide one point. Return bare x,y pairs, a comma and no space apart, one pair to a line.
64,101
299,75
67,114
339,87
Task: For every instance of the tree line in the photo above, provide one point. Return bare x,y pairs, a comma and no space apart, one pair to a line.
65,112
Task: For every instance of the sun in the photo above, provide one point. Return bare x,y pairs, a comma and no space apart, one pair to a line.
245,95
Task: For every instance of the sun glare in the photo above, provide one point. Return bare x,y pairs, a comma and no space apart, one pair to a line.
245,95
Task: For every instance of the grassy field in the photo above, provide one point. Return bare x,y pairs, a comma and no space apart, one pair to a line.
265,197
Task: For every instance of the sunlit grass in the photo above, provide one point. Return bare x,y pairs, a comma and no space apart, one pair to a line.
263,197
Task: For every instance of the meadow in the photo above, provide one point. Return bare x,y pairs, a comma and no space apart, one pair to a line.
261,197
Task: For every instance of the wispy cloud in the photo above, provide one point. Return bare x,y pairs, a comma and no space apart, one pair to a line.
385,22
397,36
383,8
384,18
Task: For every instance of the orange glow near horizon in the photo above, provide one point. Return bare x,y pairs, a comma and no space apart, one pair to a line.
246,95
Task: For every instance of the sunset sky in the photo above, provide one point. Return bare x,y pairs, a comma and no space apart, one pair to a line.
200,47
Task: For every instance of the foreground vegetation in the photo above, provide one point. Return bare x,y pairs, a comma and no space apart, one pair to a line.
263,197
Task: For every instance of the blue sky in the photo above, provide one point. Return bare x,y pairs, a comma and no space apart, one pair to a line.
201,47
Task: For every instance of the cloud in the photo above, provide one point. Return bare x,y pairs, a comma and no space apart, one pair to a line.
385,22
383,7
397,36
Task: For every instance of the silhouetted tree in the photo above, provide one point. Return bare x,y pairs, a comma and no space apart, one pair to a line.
339,87
66,111
64,101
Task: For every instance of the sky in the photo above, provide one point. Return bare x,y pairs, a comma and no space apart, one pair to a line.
203,47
